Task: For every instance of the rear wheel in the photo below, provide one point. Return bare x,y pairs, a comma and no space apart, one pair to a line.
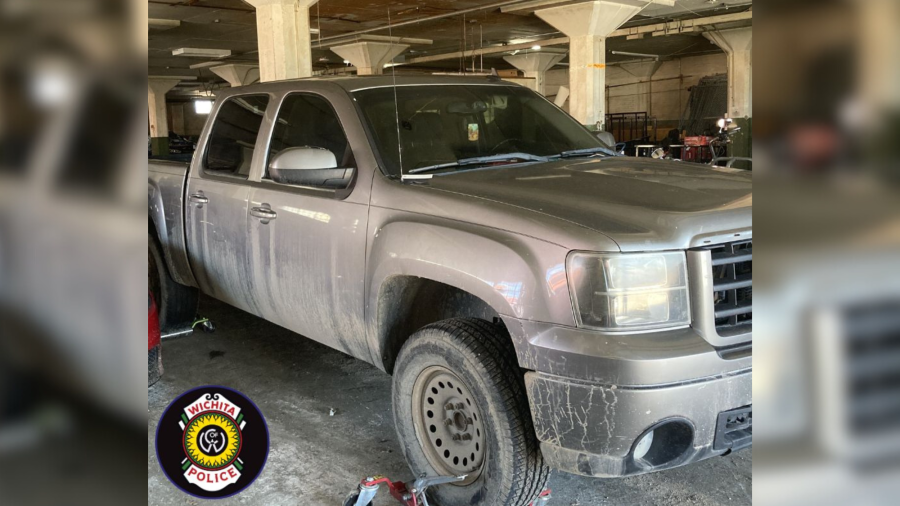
460,408
177,303
154,365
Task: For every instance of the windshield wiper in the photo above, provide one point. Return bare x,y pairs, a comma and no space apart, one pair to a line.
584,152
479,160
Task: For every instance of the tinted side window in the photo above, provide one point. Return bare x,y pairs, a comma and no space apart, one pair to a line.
309,121
233,135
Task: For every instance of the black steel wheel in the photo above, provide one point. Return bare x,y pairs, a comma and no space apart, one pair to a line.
460,408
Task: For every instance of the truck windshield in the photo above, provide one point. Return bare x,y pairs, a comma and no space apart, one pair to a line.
455,127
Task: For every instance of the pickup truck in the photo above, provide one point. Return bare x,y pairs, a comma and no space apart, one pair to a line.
540,302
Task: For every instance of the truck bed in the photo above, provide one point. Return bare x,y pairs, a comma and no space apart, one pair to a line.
165,195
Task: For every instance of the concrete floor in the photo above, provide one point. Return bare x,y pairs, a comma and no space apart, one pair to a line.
317,459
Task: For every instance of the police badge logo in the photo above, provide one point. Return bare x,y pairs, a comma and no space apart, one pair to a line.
212,442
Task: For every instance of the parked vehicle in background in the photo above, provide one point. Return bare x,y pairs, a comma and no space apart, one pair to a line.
540,302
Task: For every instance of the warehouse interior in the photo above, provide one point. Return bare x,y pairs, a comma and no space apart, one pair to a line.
655,75
653,55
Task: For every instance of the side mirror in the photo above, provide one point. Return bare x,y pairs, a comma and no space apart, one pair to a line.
308,166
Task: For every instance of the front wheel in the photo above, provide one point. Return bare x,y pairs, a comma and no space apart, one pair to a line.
460,408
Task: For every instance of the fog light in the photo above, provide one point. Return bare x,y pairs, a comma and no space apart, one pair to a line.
643,446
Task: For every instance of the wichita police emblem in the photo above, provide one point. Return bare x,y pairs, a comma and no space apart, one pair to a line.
212,442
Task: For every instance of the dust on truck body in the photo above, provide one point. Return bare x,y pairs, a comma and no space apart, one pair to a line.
595,311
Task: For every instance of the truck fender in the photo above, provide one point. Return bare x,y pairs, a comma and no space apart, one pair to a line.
507,271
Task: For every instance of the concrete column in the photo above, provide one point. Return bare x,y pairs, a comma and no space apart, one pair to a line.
369,57
535,64
587,25
178,119
738,46
156,105
237,75
644,72
282,28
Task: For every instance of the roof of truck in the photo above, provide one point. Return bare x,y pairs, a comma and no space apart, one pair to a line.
356,83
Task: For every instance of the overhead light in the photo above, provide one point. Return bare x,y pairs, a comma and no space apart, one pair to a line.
346,62
535,48
163,24
203,106
52,84
199,52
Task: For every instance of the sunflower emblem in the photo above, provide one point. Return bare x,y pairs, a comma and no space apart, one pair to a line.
212,440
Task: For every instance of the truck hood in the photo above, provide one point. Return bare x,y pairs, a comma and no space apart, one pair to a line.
640,204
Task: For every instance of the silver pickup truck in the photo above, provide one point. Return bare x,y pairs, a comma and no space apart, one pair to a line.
540,302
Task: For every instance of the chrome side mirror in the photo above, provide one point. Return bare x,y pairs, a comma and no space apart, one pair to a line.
309,166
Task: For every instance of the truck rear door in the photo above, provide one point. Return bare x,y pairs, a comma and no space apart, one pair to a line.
217,201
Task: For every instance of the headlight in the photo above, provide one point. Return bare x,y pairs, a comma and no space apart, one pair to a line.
629,292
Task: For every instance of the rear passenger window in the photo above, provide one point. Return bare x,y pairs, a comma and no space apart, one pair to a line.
233,136
309,121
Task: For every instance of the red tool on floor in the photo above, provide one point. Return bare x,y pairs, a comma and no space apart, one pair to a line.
411,496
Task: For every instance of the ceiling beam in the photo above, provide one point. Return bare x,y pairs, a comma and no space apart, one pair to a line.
657,29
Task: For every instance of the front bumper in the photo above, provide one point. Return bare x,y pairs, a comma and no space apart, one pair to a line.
592,430
594,396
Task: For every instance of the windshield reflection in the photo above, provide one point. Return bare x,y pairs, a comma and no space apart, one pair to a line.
457,127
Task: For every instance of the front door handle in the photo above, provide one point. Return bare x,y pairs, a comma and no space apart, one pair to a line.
264,213
199,199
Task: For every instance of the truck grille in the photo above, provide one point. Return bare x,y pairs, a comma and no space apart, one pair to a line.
732,273
873,351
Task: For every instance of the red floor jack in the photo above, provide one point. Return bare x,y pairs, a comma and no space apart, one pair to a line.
411,496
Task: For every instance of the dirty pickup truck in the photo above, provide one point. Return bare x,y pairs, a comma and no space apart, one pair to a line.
540,302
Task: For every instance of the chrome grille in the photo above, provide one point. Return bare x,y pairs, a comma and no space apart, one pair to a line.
732,274
872,349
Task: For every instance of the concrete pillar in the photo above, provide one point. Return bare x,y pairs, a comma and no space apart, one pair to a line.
237,75
156,105
282,28
738,46
535,64
369,57
644,72
587,25
178,119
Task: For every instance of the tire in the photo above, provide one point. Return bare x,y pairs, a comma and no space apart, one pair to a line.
177,303
154,365
489,405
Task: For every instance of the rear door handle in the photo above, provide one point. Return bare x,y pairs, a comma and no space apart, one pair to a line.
264,213
199,199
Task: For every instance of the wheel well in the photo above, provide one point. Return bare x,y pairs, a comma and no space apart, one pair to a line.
408,303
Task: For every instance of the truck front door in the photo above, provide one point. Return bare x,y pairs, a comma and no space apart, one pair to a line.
217,201
309,243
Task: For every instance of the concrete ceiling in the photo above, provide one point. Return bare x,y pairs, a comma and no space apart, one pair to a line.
231,24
